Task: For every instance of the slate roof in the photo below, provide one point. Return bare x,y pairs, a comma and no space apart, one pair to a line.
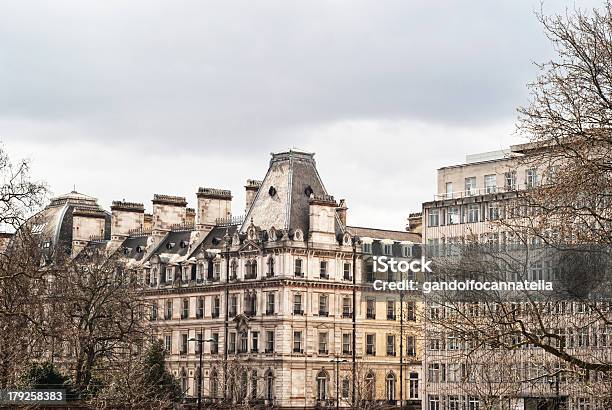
282,200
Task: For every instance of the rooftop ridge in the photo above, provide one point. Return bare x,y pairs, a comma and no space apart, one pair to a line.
136,206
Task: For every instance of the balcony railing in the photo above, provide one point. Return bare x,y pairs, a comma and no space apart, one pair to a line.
390,316
324,275
371,315
269,312
250,276
390,352
255,350
299,274
347,314
471,192
346,351
297,350
269,350
250,313
323,351
298,311
323,313
215,314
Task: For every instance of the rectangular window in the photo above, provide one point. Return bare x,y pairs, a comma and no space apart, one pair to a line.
470,186
153,312
453,215
371,344
390,345
413,387
168,314
531,178
346,307
183,344
244,343
168,343
367,248
473,213
346,343
214,346
269,341
185,310
198,345
233,305
298,268
407,251
200,309
347,271
297,341
323,270
410,346
510,180
255,342
449,189
169,273
388,249
323,337
391,310
297,304
231,345
410,311
323,305
434,217
371,308
493,211
434,402
270,303
216,307
490,183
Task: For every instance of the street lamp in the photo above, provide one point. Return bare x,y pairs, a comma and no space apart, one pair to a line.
338,361
200,342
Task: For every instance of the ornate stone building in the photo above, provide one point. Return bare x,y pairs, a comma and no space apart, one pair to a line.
283,294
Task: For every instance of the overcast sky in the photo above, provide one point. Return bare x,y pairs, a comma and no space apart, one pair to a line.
124,99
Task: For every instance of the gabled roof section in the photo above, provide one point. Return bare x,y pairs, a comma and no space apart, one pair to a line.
282,199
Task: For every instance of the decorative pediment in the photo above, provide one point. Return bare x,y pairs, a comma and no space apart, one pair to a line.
250,246
242,323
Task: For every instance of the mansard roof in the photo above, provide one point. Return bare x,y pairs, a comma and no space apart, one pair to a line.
375,233
282,201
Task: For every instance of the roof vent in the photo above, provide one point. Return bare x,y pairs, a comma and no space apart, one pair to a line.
272,191
308,191
139,249
216,240
183,244
170,245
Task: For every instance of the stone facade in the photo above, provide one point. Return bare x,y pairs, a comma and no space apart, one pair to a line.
283,291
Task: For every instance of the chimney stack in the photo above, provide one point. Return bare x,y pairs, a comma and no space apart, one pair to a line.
342,211
322,218
87,224
168,211
126,217
212,204
190,217
251,188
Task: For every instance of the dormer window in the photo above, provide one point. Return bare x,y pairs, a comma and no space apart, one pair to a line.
168,273
367,247
170,245
406,251
297,236
388,249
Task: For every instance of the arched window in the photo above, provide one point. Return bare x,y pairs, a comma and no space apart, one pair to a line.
390,386
370,386
271,266
269,385
322,379
214,384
